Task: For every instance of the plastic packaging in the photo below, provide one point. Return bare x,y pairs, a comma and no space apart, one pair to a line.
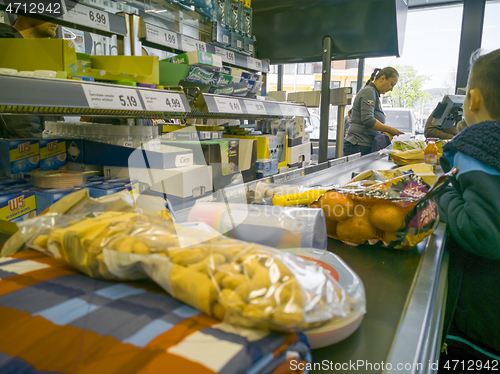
45,74
337,329
233,281
57,179
400,211
273,226
8,71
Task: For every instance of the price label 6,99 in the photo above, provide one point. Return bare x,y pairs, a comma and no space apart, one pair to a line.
226,105
162,101
101,97
87,16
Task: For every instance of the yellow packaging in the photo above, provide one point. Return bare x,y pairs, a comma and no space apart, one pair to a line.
263,143
140,69
39,54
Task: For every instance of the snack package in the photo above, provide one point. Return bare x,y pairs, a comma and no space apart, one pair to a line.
400,212
236,282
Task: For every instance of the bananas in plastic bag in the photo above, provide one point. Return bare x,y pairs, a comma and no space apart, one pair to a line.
237,282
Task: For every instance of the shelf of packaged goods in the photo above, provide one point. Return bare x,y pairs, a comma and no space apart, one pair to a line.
79,14
27,95
237,107
171,39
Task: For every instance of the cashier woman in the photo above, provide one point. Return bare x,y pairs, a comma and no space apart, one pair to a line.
24,126
368,118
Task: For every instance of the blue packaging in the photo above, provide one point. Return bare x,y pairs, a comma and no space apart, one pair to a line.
17,206
108,189
6,182
46,197
53,154
266,167
18,156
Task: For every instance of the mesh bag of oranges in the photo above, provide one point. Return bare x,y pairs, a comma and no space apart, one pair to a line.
399,211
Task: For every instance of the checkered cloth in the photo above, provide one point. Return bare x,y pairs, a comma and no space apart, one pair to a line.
56,320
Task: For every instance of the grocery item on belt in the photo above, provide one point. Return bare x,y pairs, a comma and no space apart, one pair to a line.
399,211
240,283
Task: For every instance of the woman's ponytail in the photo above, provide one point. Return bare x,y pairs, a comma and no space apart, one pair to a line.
372,77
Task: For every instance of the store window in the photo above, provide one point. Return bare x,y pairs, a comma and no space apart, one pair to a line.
428,64
491,26
335,84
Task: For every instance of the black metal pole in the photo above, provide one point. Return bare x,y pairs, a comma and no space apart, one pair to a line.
325,99
361,75
280,77
470,40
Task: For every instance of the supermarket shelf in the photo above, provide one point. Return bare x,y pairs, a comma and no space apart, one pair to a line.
26,95
231,106
171,39
93,18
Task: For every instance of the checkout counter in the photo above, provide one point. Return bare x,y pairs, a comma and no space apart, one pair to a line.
405,295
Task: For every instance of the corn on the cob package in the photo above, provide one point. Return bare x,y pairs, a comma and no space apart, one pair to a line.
237,282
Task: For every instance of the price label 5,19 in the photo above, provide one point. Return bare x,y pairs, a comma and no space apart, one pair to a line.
101,97
162,101
226,105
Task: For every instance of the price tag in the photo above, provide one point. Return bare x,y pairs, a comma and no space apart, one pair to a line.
227,56
162,101
102,97
226,105
302,111
87,16
188,44
254,64
287,110
255,107
200,46
161,36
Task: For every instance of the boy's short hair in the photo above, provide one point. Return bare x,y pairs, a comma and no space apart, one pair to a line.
485,76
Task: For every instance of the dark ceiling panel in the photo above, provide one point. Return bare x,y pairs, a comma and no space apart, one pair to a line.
291,31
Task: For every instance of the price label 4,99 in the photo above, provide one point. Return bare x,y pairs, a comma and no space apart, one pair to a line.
101,97
162,101
87,16
226,105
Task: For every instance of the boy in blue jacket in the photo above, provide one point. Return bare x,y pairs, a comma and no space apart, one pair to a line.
471,209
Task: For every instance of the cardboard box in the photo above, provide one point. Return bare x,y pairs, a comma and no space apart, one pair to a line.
53,154
39,54
46,197
140,69
18,156
226,158
198,58
171,74
95,153
277,95
299,154
269,146
188,181
17,205
266,168
105,189
310,98
298,141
